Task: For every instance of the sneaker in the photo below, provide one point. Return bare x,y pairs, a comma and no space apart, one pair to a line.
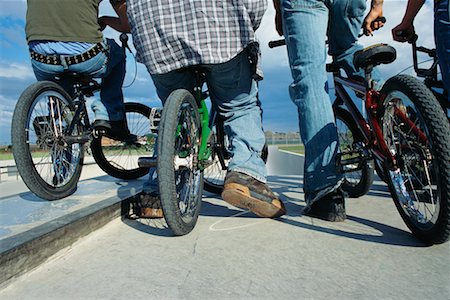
330,207
117,130
246,192
145,205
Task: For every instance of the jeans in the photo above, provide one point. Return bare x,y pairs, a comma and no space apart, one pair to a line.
442,38
234,93
307,24
108,66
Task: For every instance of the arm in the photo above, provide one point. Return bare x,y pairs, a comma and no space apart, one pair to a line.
376,11
406,27
119,23
278,22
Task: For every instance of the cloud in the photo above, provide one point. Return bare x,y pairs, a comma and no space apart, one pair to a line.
16,70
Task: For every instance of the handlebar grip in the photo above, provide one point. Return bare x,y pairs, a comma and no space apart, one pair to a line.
273,44
123,38
380,19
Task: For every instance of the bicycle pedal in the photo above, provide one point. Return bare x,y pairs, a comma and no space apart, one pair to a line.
147,162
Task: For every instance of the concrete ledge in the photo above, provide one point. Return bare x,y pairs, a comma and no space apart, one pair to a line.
27,250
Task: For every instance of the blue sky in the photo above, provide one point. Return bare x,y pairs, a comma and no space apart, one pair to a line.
279,112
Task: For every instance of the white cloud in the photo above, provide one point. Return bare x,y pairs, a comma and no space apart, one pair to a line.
16,70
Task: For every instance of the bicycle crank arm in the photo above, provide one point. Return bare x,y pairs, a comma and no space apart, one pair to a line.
76,139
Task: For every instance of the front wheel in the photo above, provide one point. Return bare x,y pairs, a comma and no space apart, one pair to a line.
179,176
357,169
120,159
49,166
418,135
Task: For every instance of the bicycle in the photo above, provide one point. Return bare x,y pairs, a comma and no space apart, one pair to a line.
406,135
50,130
193,152
430,75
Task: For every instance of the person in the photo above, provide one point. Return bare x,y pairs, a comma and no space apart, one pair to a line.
306,25
404,31
65,36
171,36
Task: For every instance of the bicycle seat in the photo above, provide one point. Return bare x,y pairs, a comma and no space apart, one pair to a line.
374,55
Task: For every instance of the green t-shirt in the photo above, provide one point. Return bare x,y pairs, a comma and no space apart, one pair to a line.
63,20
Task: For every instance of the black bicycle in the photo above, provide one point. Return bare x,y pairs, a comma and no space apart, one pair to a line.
50,131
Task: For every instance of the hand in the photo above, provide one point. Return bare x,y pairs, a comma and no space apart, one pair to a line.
403,32
370,22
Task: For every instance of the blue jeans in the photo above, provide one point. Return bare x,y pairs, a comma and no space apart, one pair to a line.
442,38
108,66
234,93
307,24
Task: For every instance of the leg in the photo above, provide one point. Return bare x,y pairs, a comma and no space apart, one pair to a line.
234,92
442,38
111,93
344,25
305,28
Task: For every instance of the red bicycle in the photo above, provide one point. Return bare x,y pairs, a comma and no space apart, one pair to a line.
405,136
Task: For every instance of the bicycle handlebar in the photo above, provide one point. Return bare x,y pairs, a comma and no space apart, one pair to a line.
277,43
282,42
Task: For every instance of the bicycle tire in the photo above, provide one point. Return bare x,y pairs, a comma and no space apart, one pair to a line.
180,179
49,167
423,177
214,174
356,183
120,159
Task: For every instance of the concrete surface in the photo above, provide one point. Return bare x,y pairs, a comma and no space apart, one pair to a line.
233,254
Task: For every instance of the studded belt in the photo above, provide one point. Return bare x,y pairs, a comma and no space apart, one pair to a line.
68,60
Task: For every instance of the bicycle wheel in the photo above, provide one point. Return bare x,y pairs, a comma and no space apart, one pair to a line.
49,166
120,159
417,134
358,170
214,174
180,179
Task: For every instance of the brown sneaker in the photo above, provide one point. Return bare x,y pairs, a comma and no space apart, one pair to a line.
146,206
246,192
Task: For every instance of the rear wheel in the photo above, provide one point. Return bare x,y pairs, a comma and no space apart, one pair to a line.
417,133
357,169
180,179
120,159
48,165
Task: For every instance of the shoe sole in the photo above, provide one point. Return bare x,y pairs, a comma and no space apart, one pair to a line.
239,196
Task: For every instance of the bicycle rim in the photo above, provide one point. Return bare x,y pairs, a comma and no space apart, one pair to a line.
180,179
417,134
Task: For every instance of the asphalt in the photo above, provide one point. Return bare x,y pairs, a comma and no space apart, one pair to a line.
231,253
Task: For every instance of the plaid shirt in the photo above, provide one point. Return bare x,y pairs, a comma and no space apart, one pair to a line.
172,34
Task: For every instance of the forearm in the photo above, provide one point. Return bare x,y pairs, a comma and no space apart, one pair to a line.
412,9
119,23
377,5
115,23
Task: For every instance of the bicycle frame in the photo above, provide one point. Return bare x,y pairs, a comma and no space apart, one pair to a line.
200,96
371,130
81,112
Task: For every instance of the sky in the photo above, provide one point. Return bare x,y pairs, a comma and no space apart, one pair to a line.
279,113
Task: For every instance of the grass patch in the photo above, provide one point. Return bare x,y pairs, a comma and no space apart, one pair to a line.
300,149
